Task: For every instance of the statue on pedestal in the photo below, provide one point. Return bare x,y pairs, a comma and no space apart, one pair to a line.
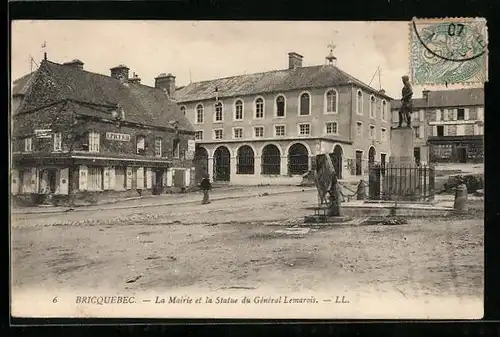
406,102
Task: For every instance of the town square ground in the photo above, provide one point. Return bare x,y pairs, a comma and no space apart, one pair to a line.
175,243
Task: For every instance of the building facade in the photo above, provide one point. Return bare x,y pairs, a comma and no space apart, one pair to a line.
449,126
76,133
266,128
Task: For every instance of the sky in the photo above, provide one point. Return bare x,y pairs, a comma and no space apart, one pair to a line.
203,50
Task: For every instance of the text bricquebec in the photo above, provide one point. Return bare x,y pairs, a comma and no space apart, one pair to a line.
101,300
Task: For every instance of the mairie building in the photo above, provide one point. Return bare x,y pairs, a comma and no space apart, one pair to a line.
266,128
79,133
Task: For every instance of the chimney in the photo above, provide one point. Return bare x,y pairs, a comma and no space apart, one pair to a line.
120,72
166,82
294,60
135,79
74,64
425,93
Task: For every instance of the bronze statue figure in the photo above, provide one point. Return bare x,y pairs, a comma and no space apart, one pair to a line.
406,102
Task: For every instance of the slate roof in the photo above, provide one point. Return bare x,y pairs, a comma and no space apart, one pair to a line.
272,81
142,104
21,85
448,98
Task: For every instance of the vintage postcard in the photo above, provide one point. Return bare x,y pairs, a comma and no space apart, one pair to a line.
246,169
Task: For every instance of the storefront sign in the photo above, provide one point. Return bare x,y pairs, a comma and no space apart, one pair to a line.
190,149
122,137
43,133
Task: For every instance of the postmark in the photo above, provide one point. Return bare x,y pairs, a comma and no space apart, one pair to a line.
448,51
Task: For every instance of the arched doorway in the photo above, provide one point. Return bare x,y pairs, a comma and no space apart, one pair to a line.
298,159
200,162
245,160
222,164
371,156
336,156
271,160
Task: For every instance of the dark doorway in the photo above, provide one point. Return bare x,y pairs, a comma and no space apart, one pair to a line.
371,156
462,154
271,160
298,159
440,130
245,160
416,155
158,178
222,164
51,177
337,160
200,162
359,163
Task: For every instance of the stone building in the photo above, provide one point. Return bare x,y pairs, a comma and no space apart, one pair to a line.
448,125
79,133
266,128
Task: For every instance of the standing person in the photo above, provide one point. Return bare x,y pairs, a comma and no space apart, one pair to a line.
205,187
406,102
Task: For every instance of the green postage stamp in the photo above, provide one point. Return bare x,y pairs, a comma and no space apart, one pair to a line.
448,51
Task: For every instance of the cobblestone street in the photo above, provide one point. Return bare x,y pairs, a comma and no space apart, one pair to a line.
233,243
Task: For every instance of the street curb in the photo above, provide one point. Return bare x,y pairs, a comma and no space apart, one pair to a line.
84,208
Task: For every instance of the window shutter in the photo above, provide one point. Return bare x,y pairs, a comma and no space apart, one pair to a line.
422,115
82,182
149,177
438,115
140,178
35,181
480,114
64,181
105,185
14,180
421,131
466,114
112,178
129,178
434,130
187,178
169,177
454,113
445,130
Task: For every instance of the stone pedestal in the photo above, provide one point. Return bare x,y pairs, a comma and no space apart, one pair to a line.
402,172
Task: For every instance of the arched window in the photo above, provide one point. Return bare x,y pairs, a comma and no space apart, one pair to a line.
183,110
305,104
331,102
280,106
245,160
218,112
298,159
259,108
271,160
199,113
384,110
238,110
373,106
359,103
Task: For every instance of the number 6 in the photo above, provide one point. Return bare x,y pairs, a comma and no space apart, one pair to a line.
54,300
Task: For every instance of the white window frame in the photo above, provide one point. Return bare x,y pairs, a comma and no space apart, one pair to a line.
215,112
183,110
373,107
300,104
384,110
234,134
284,130
57,139
200,132
94,141
196,120
276,106
298,129
158,146
255,131
336,128
242,110
359,134
383,134
28,144
358,112
255,108
215,134
326,112
370,128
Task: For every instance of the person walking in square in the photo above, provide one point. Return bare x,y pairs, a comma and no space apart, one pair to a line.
206,186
